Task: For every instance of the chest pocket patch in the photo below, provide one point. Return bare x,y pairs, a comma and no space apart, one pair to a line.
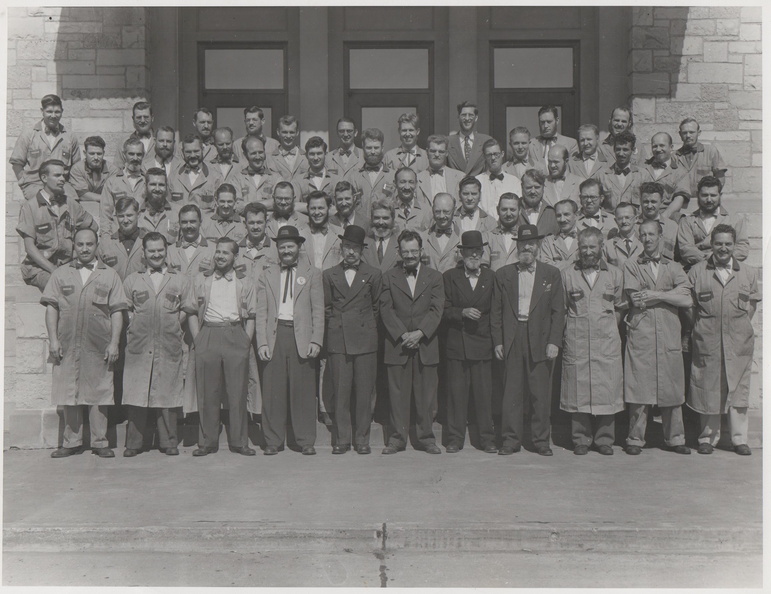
141,296
44,228
68,290
200,301
207,198
705,296
576,295
172,300
176,196
110,260
608,296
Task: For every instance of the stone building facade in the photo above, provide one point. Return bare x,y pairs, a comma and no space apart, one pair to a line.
666,63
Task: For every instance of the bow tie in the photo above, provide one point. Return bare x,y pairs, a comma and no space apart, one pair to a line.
474,274
372,167
657,165
312,174
646,259
59,199
228,276
90,265
508,231
290,267
188,244
493,177
252,171
520,161
285,153
522,268
571,234
467,215
411,272
597,217
558,179
580,266
345,153
347,266
440,232
253,246
589,157
439,172
625,171
195,170
688,150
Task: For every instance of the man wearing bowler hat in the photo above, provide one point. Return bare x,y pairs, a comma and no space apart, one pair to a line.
468,290
527,320
290,332
351,295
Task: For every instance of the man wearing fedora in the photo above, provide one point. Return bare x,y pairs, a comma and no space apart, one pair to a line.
290,332
351,297
468,290
527,320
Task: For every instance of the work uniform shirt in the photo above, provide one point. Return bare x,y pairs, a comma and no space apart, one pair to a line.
85,180
84,330
121,185
270,145
517,168
587,167
559,250
32,149
322,250
325,182
621,185
440,251
668,236
419,218
275,222
257,187
289,165
191,259
215,226
114,254
694,242
343,161
723,338
653,364
703,159
153,373
600,220
502,246
592,372
416,159
617,250
200,192
253,259
165,221
371,185
673,178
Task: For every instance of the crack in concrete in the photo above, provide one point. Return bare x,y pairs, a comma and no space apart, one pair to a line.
382,534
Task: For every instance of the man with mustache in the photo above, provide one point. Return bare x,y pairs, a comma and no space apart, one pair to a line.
533,208
411,212
158,214
588,160
255,181
560,183
346,203
193,182
674,180
561,250
127,182
697,158
164,153
89,175
503,238
590,196
203,122
621,178
651,209
372,180
383,252
624,245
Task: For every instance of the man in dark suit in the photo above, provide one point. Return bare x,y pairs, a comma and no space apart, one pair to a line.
383,252
527,320
411,306
351,297
465,150
468,290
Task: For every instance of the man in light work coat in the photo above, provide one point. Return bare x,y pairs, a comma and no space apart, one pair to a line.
351,297
592,374
153,372
84,317
561,250
122,251
653,366
725,296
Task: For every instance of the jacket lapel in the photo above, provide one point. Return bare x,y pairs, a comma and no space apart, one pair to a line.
539,284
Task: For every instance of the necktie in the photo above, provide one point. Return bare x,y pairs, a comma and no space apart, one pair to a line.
90,265
628,243
466,147
408,159
493,177
346,222
406,212
380,250
287,282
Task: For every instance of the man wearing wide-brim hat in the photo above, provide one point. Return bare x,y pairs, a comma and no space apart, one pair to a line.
527,321
468,346
351,295
289,332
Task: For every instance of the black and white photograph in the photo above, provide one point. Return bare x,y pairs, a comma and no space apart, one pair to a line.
426,296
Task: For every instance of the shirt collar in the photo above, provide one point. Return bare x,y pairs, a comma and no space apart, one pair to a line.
228,276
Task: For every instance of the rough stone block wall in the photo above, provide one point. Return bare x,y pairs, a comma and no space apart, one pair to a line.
95,60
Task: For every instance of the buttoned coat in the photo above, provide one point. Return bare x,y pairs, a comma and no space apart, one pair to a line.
115,188
467,339
569,190
111,251
615,191
201,261
201,193
368,192
614,250
455,156
705,161
576,165
555,251
277,163
334,160
499,255
391,256
32,150
694,243
435,256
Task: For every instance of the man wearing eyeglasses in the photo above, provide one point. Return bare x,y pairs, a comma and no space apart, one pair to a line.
494,180
590,214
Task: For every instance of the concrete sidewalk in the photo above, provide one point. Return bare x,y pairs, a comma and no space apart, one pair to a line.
381,506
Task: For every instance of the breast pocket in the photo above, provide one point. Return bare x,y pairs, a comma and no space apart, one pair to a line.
743,301
44,235
706,303
172,301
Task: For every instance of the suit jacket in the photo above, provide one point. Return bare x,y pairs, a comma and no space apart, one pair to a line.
537,147
334,160
468,339
433,254
391,256
569,190
499,255
614,191
547,219
402,312
576,165
476,162
308,294
382,189
452,178
352,311
546,320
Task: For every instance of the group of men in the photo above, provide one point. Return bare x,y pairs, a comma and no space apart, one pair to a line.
300,283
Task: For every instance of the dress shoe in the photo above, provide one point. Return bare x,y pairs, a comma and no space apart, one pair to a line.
66,452
172,451
433,449
203,452
270,450
103,452
544,451
244,451
452,449
605,450
340,449
130,453
491,449
509,450
363,449
743,450
634,450
681,449
705,448
389,449
581,450
309,450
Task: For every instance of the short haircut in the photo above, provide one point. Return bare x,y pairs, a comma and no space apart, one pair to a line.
409,235
651,188
287,120
254,208
625,108
319,195
625,137
590,183
509,196
50,163
155,172
141,106
438,139
589,128
709,181
689,120
346,121
190,208
132,141
225,188
123,204
549,108
97,141
49,100
282,185
191,138
588,232
89,229
409,118
342,186
469,180
652,222
254,109
488,143
624,205
372,134
315,142
154,236
227,129
722,228
402,169
464,104
383,205
518,130
573,206
167,129
205,110
667,134
230,241
535,175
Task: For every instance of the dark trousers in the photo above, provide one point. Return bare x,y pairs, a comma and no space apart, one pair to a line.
403,381
289,381
222,359
165,422
604,429
465,378
357,373
525,379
